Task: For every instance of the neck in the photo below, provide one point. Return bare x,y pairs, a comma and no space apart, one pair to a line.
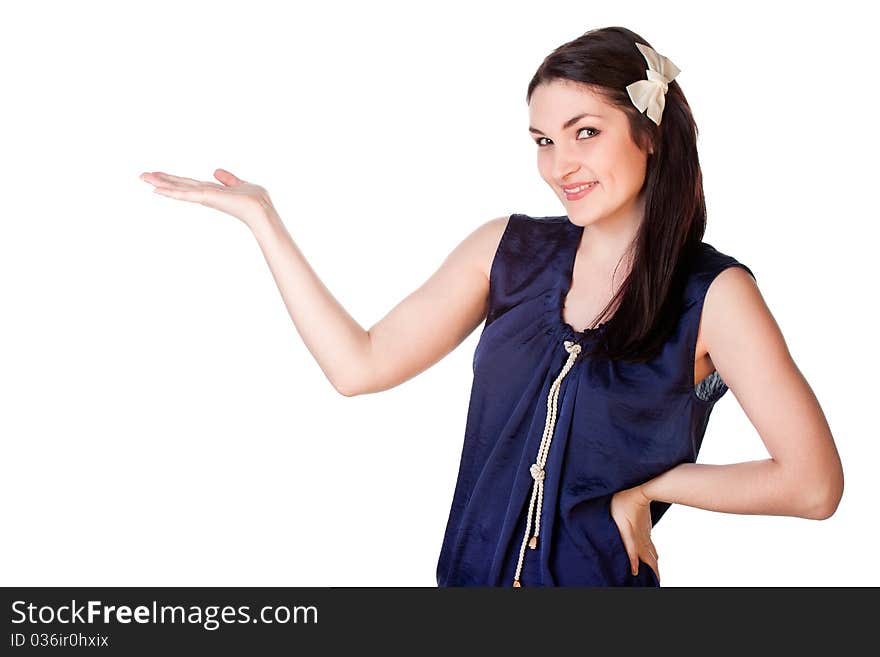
607,241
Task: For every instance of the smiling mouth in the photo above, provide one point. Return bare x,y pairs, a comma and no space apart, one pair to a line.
579,188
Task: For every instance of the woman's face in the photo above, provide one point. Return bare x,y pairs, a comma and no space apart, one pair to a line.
574,150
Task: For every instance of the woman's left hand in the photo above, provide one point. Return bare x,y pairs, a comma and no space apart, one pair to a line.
631,510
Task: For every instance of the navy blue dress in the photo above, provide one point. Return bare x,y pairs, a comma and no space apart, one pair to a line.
549,440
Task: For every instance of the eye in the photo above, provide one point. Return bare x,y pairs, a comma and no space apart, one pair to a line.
538,140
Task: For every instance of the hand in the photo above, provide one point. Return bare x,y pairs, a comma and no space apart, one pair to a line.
631,510
235,197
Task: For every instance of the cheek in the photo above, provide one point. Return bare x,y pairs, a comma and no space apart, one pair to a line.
636,167
544,168
624,179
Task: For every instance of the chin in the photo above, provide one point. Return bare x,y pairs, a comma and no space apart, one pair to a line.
582,218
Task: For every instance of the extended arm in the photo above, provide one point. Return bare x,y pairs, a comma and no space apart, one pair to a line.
418,332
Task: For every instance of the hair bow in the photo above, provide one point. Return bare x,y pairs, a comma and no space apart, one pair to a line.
650,94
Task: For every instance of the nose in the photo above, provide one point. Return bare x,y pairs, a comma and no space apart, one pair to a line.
565,166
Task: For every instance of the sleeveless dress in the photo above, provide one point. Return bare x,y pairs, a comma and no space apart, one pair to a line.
551,435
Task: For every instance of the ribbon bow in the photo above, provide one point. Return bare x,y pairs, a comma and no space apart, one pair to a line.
650,94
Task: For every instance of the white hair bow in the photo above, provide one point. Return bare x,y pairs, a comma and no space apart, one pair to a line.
650,94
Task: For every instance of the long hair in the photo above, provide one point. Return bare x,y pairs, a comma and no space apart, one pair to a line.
649,300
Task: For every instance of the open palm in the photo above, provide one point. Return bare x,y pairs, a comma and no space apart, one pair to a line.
239,198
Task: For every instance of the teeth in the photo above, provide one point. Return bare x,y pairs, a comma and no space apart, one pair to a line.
578,189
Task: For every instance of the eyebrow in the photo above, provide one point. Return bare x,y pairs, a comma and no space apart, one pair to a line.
568,123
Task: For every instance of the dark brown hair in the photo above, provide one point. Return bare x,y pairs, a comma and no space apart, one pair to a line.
650,298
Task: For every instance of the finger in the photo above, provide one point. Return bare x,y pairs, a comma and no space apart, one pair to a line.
632,552
227,178
651,557
167,183
193,195
652,562
179,180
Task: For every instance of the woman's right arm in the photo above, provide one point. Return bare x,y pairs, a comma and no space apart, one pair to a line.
415,334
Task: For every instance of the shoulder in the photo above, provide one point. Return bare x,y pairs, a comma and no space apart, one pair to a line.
727,298
513,232
485,240
709,268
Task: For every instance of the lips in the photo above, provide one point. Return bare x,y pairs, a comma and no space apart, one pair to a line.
580,192
568,188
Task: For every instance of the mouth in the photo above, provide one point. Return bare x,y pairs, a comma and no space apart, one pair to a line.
574,192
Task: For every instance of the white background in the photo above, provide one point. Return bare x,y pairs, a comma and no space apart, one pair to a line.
162,422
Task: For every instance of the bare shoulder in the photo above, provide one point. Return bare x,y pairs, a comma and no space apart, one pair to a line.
732,292
734,312
484,241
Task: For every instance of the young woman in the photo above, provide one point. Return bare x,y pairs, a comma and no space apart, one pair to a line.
610,333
